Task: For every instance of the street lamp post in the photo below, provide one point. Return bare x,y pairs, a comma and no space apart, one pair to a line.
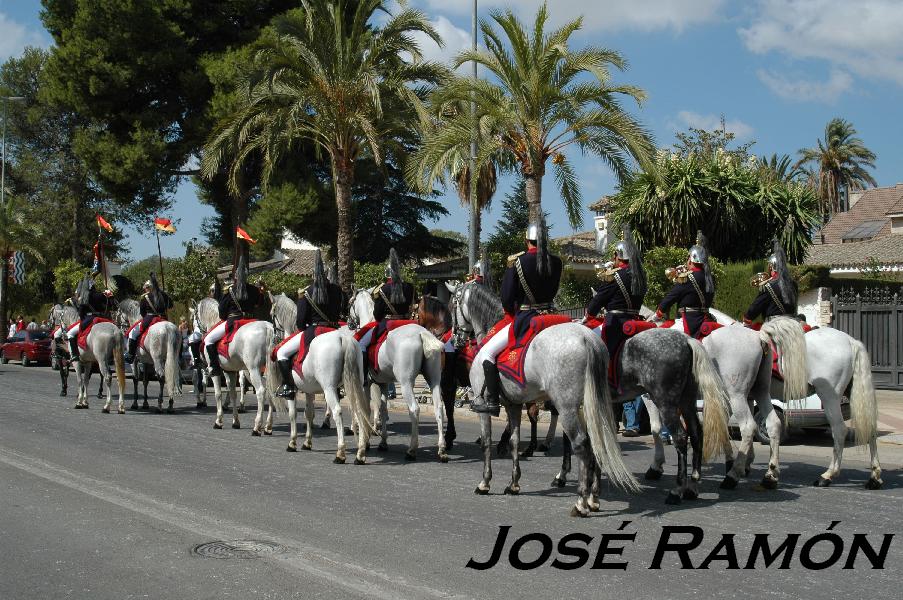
474,241
4,267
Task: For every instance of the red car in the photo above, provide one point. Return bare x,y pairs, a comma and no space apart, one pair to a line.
30,347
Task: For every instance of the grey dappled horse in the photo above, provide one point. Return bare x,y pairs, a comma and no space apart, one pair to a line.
104,344
63,316
333,360
162,349
249,351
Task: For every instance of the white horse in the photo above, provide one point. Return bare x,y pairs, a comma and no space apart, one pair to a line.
161,350
837,365
409,351
104,344
248,351
333,360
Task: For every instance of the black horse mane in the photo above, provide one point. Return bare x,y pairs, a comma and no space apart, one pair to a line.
485,306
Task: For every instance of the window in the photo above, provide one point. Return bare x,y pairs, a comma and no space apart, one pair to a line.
864,231
39,335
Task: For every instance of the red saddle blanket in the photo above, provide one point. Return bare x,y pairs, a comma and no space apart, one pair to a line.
707,328
469,351
380,334
83,333
143,334
223,345
511,360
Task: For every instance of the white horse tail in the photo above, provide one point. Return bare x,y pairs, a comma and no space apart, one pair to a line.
863,404
118,361
431,346
354,385
600,420
715,400
269,370
171,371
788,337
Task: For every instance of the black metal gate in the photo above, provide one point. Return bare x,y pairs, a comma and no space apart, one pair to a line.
875,317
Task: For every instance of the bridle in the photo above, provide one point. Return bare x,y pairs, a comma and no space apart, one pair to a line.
354,320
464,331
278,328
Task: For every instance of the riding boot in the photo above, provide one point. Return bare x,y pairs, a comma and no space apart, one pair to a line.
73,349
132,349
213,361
492,384
288,389
195,349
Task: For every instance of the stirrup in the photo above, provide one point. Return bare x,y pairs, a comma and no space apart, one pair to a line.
480,405
285,391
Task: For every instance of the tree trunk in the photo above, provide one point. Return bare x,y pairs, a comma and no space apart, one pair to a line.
534,196
4,289
342,178
473,250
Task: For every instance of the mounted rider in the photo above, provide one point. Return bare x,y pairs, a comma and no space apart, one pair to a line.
693,291
476,273
238,300
154,303
528,287
391,301
777,291
319,307
621,296
91,304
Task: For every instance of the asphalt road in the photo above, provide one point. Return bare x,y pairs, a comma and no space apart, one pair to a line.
111,506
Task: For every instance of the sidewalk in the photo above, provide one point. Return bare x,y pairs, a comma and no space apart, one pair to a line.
890,416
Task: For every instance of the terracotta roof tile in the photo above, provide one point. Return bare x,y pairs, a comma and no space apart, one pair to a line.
873,205
579,247
887,250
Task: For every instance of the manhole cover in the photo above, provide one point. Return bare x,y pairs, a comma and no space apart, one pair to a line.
238,549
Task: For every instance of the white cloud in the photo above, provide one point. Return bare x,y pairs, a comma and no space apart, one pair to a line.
741,130
14,37
598,15
862,37
803,90
454,40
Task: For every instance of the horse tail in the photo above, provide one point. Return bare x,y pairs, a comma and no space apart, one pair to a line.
172,342
354,384
788,337
715,436
431,346
599,420
863,404
118,361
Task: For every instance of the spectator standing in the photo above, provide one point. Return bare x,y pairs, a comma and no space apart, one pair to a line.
32,325
20,323
12,329
632,417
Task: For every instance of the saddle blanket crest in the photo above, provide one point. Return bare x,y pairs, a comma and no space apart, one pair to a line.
223,345
381,331
512,358
83,333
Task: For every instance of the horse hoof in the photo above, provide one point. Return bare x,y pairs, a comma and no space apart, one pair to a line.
443,458
134,406
383,447
201,405
236,426
242,410
873,484
291,449
307,446
217,426
359,461
410,456
575,512
769,483
145,406
690,494
673,499
265,432
481,492
170,411
325,425
121,411
254,432
729,483
338,460
653,475
510,491
728,465
348,431
821,482
105,411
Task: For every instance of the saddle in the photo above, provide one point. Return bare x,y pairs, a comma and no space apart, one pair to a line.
143,334
380,334
84,331
469,352
223,345
512,358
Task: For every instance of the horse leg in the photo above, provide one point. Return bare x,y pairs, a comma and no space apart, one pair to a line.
231,386
694,430
679,434
81,396
830,400
574,431
566,451
549,441
241,391
218,396
504,440
448,387
439,409
595,491
145,379
255,380
774,428
407,392
292,424
106,381
383,420
334,407
486,444
655,470
741,409
514,413
533,415
309,418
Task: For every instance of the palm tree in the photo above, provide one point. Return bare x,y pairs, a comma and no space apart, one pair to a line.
543,98
781,168
326,73
841,161
17,232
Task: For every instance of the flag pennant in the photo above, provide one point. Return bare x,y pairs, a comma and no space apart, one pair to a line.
101,222
164,225
243,235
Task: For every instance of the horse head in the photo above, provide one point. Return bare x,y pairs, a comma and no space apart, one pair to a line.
360,309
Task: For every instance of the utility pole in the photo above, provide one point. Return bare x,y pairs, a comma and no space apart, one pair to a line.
474,241
4,267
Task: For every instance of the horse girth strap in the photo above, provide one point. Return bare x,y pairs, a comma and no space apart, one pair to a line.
698,291
317,309
775,298
523,282
624,291
392,309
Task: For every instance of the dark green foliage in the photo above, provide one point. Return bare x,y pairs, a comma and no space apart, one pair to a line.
190,277
279,282
139,271
576,288
367,275
733,293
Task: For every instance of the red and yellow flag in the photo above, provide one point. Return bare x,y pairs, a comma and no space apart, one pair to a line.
101,222
164,225
243,235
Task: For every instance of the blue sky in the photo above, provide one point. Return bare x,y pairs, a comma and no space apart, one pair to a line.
777,70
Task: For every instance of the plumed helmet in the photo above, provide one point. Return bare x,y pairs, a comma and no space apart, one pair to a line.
623,249
318,287
147,285
393,271
240,283
332,275
83,289
532,233
477,268
785,286
699,254
541,238
638,281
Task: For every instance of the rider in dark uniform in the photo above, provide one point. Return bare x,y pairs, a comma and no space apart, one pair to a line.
238,300
528,287
622,293
694,296
318,306
91,304
778,294
154,303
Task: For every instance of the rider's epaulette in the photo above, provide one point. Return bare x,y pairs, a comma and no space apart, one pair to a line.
513,258
301,293
375,292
